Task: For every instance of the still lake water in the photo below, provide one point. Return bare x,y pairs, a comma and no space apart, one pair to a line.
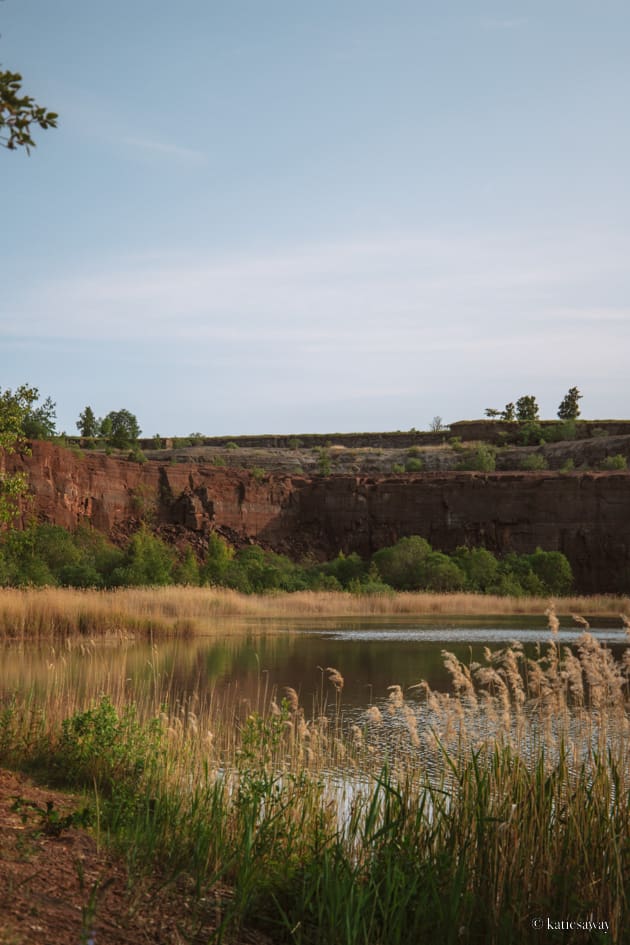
245,661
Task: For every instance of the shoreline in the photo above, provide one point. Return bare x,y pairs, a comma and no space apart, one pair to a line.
36,613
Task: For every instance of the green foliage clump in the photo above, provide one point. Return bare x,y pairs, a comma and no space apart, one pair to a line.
323,462
18,112
414,465
147,561
614,462
401,565
121,429
569,408
87,424
480,567
482,459
533,462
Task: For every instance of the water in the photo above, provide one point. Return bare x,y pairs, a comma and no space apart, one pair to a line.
249,660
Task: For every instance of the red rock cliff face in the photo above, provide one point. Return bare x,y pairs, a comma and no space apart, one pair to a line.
585,515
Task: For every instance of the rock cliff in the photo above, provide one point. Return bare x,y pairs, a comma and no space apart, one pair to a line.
584,515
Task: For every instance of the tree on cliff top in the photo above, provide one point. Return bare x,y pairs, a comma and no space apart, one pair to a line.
87,424
123,429
569,409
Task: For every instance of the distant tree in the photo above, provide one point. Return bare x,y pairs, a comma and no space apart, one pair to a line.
509,412
39,422
18,112
104,426
87,423
436,425
527,408
124,430
569,409
492,413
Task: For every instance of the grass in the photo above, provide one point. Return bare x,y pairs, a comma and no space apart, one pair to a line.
451,817
51,612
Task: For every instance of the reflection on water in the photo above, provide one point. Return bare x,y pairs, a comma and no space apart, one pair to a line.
248,661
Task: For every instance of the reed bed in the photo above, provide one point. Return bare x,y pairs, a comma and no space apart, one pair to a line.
51,612
432,816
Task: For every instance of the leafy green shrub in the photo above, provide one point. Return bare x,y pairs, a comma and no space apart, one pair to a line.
398,468
147,561
219,461
480,567
258,473
344,568
456,443
568,466
414,465
401,565
531,433
614,462
483,459
231,445
186,571
552,569
157,442
533,461
100,746
295,443
441,574
323,462
217,561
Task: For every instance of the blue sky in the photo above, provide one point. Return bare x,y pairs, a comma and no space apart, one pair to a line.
293,216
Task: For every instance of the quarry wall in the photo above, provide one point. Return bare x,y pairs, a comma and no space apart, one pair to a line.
584,515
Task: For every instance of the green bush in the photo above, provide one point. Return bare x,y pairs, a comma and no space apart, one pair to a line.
231,445
480,567
553,570
414,465
401,565
398,468
614,462
533,461
483,459
147,561
441,574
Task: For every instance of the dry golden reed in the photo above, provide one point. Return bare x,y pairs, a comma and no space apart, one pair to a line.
49,612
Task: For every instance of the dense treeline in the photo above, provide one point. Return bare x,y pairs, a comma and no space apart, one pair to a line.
49,555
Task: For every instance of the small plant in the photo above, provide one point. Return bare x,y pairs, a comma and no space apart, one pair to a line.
219,461
455,442
295,443
157,442
398,468
323,462
483,459
231,445
258,473
614,462
413,465
568,466
533,462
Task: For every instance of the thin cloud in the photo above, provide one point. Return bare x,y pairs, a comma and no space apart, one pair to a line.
165,149
504,23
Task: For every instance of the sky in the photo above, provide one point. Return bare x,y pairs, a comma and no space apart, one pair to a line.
289,216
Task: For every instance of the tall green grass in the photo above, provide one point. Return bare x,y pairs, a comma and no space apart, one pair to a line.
451,817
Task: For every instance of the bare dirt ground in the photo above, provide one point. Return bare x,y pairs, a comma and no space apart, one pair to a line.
57,887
